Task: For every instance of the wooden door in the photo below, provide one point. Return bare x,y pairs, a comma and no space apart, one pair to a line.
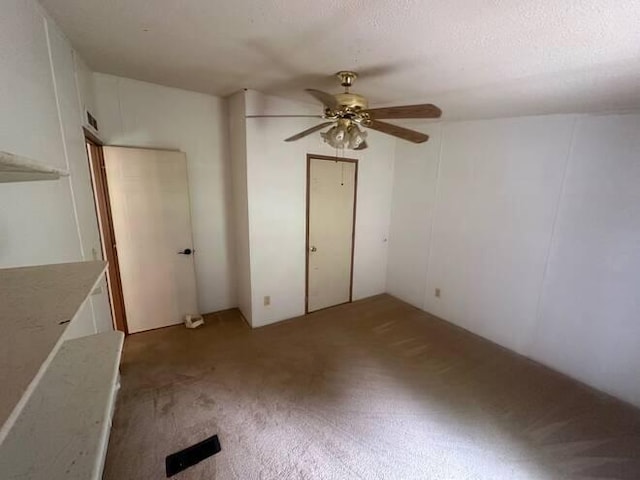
149,197
331,196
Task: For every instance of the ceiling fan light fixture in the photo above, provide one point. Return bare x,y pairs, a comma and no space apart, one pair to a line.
334,137
344,136
340,134
356,137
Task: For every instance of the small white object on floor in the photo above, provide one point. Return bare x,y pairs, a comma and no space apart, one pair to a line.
193,321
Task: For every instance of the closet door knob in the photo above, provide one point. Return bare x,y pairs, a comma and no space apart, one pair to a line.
186,251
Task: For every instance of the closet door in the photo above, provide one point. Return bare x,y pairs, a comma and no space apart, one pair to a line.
331,192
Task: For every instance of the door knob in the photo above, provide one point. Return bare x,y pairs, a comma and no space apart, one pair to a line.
186,251
313,249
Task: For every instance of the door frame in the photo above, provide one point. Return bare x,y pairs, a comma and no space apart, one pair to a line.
105,228
313,156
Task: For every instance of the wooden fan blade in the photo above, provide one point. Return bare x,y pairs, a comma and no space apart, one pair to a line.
408,111
284,116
362,146
396,131
307,132
325,98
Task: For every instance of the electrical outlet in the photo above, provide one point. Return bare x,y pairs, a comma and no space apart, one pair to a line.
437,292
267,300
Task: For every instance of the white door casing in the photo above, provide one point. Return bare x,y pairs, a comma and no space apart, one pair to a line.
149,195
331,199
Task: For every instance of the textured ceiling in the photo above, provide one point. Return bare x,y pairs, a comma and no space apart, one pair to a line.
474,58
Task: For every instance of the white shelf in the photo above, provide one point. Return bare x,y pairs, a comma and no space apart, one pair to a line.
36,306
63,430
14,168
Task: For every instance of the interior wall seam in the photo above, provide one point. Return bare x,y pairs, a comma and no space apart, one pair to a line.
552,236
76,218
433,216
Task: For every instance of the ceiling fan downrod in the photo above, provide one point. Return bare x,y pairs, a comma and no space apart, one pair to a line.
347,78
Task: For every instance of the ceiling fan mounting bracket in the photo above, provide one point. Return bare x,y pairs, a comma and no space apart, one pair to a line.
347,78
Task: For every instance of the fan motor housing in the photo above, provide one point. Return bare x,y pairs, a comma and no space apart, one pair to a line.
352,101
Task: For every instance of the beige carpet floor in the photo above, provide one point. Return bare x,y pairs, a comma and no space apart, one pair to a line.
371,390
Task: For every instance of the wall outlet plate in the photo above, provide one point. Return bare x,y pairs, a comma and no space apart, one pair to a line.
437,293
267,300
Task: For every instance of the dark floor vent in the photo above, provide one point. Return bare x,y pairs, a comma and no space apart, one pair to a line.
179,461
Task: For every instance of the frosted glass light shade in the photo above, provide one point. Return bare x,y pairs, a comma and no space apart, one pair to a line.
344,137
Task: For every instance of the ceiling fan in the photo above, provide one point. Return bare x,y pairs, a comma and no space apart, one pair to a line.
347,112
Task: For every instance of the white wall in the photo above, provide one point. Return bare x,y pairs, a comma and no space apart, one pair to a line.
531,229
589,319
133,113
414,190
238,149
45,222
68,97
86,92
276,178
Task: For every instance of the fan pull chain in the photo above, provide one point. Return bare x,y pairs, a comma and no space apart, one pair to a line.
342,167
